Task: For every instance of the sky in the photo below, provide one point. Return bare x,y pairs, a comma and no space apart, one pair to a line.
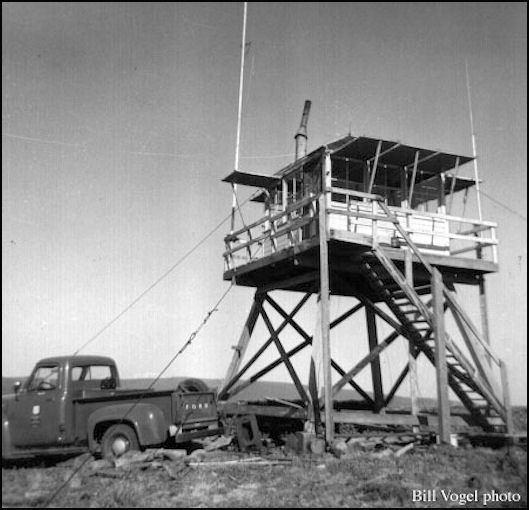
119,122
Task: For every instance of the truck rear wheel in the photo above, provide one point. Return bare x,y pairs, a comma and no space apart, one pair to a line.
192,385
118,440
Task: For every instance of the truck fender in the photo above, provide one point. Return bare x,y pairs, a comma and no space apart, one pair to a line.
147,420
6,437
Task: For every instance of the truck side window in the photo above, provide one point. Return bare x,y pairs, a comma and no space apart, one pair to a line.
93,377
91,374
45,378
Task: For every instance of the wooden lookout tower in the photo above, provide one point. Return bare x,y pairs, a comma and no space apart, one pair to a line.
369,219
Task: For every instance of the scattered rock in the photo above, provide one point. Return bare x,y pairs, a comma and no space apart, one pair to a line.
156,453
404,449
339,448
174,455
197,455
132,457
220,442
175,471
95,465
317,446
384,453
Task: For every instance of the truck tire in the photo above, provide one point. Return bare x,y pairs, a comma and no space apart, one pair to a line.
117,440
192,386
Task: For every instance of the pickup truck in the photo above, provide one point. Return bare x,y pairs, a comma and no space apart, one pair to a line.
74,404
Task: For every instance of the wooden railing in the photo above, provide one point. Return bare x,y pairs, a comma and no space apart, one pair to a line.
361,214
271,234
444,233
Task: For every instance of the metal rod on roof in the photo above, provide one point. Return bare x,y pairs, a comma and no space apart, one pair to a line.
374,168
413,177
239,114
474,153
453,185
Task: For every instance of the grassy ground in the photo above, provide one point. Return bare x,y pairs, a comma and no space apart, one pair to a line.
360,479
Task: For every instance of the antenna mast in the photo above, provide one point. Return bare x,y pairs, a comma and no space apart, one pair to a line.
237,143
474,154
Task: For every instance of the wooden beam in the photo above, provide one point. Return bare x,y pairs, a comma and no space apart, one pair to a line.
284,356
242,344
387,151
300,330
475,348
346,315
483,310
268,368
235,408
364,362
404,203
324,298
412,356
453,185
307,341
384,316
441,370
241,372
396,385
353,384
506,398
367,418
426,158
376,374
289,282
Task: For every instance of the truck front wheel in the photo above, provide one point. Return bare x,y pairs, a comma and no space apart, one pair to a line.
117,440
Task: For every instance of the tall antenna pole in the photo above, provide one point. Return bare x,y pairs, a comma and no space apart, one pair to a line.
237,143
474,153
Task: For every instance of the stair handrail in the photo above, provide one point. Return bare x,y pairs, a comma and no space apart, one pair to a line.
453,302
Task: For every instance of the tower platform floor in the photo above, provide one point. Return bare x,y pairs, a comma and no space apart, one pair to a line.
291,268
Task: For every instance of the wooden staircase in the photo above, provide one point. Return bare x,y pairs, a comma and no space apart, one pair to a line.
470,379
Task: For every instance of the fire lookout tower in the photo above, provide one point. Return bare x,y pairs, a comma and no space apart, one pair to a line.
370,219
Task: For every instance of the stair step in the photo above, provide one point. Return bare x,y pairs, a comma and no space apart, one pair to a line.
495,420
409,312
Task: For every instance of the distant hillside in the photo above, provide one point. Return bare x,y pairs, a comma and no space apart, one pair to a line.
287,391
260,390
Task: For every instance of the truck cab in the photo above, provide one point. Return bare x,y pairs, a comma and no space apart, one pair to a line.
40,411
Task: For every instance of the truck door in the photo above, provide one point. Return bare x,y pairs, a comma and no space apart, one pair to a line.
34,416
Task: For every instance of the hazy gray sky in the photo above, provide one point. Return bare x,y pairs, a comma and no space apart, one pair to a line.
119,121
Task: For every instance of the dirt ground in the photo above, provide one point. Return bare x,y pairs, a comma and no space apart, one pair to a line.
495,478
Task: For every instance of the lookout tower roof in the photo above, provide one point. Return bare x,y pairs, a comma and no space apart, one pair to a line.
352,154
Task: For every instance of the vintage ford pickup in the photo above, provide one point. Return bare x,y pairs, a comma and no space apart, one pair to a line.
73,404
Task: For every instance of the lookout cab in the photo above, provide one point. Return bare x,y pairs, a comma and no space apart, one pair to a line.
370,219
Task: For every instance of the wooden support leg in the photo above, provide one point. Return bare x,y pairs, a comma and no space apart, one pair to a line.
375,362
484,313
443,404
412,354
324,299
240,348
506,398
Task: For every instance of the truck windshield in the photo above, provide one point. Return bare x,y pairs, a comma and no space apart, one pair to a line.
44,378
